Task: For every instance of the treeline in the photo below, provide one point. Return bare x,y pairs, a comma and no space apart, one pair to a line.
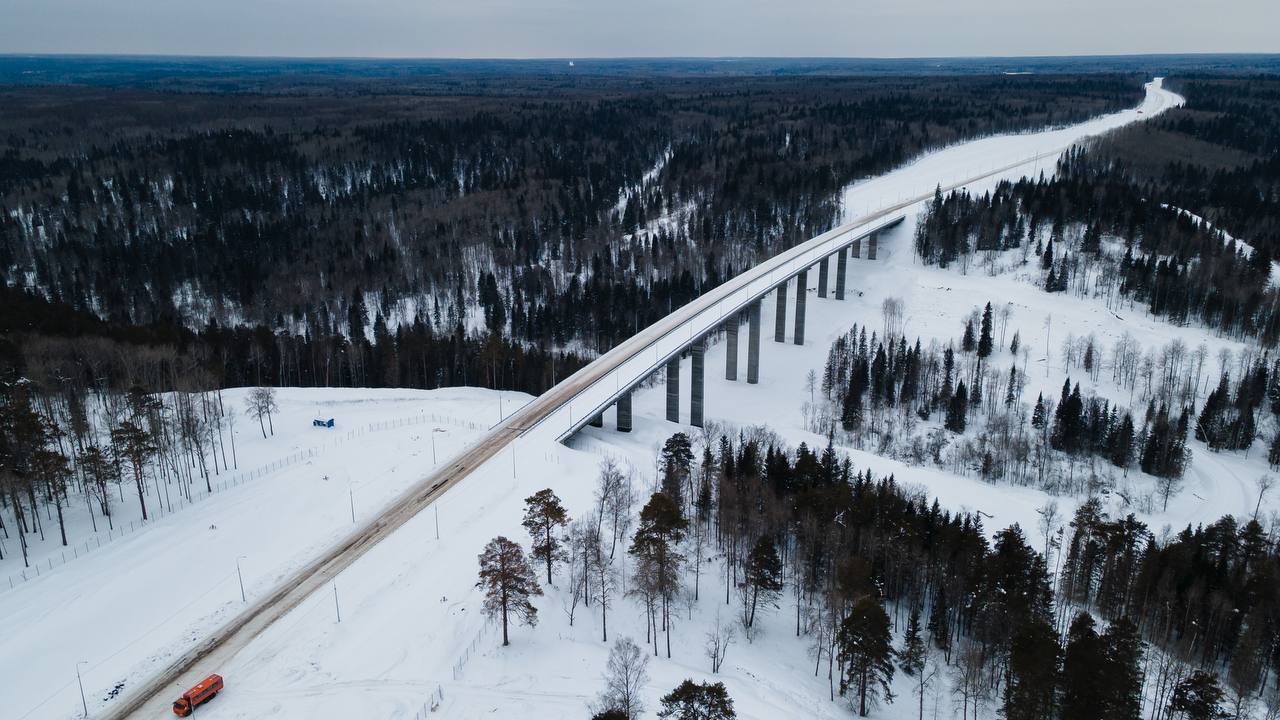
569,213
1218,156
1154,256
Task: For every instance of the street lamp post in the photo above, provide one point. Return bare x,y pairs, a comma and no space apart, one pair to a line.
83,703
240,577
433,443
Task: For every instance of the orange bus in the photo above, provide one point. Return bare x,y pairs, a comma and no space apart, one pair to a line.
202,693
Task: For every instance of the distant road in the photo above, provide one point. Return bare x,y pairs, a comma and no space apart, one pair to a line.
549,416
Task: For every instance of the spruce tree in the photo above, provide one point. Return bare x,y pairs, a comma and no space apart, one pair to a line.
913,657
1122,679
1038,416
1033,673
985,341
1083,670
940,624
957,409
763,577
866,652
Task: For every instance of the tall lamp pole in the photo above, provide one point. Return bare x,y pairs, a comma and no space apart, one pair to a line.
433,443
240,577
83,703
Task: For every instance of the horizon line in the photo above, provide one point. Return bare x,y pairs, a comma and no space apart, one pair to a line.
617,58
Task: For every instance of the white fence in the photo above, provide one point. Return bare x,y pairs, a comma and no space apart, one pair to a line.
470,651
160,510
431,705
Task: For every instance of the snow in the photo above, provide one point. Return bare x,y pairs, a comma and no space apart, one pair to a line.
125,606
410,627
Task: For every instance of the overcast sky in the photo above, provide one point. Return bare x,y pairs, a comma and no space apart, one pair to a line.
631,28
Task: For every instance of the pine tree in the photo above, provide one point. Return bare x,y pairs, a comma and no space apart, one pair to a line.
1013,344
697,701
1198,697
543,515
1273,454
968,343
866,651
763,577
508,582
677,463
655,546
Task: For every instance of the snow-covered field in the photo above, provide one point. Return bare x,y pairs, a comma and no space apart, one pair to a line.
410,628
127,605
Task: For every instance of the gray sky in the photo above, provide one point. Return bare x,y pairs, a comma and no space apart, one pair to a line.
632,28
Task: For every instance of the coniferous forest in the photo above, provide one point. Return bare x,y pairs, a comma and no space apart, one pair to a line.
427,235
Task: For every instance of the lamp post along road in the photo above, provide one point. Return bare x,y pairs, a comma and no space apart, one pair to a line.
83,702
240,577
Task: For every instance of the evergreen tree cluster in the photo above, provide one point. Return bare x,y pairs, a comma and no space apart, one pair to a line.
1167,261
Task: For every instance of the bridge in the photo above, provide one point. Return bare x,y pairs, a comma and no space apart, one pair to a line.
579,400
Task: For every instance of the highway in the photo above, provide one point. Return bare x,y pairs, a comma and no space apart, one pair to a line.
551,416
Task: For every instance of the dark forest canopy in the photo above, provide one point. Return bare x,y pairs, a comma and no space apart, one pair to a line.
570,216
250,74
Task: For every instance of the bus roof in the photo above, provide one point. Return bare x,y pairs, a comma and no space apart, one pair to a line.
205,684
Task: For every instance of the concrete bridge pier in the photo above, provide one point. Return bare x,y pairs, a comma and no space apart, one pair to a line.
753,343
780,318
802,292
824,266
673,389
842,264
624,412
731,347
698,351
